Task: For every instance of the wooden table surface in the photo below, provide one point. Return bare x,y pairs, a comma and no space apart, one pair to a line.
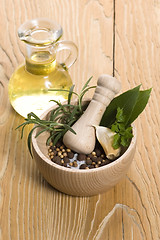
118,37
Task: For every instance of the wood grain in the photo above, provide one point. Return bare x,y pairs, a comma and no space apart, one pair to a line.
120,34
137,45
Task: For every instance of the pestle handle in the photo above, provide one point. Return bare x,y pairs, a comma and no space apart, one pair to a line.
84,139
107,88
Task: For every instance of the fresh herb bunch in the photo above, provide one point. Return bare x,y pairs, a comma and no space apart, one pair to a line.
123,134
61,118
118,116
121,113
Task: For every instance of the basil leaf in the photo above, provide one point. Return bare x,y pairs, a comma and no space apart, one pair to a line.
125,101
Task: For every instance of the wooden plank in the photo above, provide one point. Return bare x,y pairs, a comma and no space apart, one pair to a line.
137,38
30,208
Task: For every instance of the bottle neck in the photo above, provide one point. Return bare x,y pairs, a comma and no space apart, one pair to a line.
40,61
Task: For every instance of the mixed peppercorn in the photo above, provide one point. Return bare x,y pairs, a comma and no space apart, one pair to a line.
64,156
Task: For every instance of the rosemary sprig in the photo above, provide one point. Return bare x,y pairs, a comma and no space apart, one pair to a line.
84,89
61,118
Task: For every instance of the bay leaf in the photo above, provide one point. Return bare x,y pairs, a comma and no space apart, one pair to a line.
126,101
140,105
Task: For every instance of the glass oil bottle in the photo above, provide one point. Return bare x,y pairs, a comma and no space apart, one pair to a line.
30,84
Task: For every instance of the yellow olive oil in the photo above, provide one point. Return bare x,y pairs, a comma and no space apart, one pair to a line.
30,83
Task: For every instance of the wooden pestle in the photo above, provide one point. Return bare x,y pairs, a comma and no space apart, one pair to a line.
84,140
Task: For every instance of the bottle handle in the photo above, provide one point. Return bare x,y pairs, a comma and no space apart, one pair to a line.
72,57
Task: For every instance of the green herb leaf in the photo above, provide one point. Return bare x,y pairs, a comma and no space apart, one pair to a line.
61,118
120,116
86,84
141,103
123,134
126,137
70,94
116,141
29,140
125,101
